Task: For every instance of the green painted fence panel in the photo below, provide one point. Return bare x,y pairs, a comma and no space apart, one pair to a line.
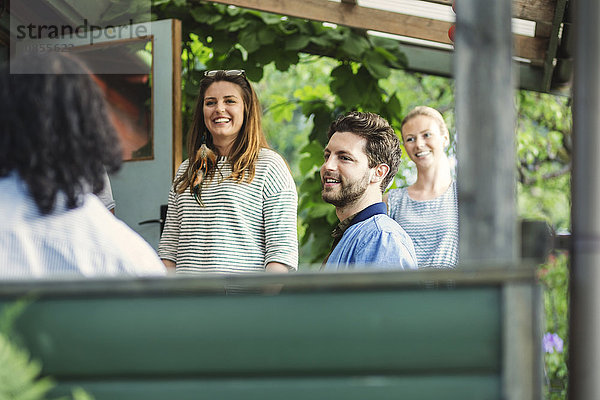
476,387
410,331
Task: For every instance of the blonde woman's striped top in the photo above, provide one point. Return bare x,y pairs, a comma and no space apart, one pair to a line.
431,224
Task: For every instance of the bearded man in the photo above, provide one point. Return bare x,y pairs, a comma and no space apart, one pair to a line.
361,159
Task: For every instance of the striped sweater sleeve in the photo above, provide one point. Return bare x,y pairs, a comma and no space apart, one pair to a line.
169,240
280,209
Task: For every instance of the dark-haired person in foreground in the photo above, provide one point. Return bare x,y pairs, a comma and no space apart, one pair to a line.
361,159
56,144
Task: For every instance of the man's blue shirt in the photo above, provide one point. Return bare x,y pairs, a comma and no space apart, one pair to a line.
373,239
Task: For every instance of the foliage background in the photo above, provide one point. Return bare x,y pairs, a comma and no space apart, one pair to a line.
306,73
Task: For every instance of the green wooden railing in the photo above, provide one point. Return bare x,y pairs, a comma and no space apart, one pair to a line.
409,335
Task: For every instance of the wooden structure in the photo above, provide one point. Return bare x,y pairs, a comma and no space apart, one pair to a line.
483,65
544,50
545,56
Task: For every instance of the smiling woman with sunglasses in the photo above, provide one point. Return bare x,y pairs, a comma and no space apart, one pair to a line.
233,204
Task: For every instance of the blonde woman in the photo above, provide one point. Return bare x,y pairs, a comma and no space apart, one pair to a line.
233,204
428,209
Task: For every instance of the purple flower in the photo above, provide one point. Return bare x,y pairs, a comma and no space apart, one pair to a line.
552,342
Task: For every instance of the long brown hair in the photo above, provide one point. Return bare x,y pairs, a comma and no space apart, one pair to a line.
247,145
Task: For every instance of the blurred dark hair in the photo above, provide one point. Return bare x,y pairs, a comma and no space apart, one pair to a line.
383,146
54,129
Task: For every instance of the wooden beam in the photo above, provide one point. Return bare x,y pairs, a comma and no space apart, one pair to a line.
176,79
353,16
543,29
379,20
484,104
531,10
553,43
534,10
439,62
531,48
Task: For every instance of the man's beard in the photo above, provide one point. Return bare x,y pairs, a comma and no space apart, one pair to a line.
349,192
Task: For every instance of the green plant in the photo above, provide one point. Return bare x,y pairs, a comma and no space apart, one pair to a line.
20,376
553,275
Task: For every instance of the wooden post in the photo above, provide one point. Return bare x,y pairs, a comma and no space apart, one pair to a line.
487,175
485,132
584,343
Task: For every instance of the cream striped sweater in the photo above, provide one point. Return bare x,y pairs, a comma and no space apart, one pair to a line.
242,226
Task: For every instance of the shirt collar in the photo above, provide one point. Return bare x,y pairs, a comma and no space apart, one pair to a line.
366,213
373,209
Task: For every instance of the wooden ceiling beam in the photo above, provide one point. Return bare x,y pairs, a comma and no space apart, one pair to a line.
533,48
531,10
552,46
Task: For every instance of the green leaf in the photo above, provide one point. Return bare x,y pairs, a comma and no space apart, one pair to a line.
281,109
308,93
254,72
296,42
311,188
221,44
388,56
237,25
270,19
266,36
321,121
394,109
321,210
19,376
283,60
314,107
343,72
337,34
354,46
349,95
307,165
222,8
313,148
323,41
80,394
249,40
199,14
312,157
376,64
389,44
234,60
236,11
346,86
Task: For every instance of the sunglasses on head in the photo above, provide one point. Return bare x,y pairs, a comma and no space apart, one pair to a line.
227,72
